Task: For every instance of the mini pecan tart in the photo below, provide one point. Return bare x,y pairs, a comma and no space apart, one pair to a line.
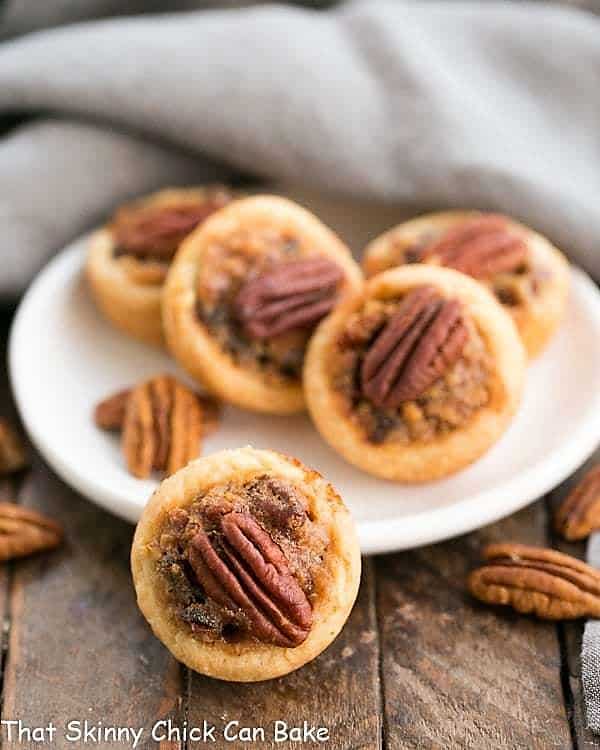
128,259
527,274
417,375
246,564
244,295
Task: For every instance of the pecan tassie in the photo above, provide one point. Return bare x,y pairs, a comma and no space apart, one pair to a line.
289,296
579,513
13,455
240,563
154,231
24,532
481,247
416,347
490,247
411,369
534,580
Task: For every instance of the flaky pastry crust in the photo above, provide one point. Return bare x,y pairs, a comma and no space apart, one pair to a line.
537,316
190,341
128,303
446,454
250,660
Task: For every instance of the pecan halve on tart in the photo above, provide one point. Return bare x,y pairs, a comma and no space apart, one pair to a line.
416,376
128,259
527,274
246,564
244,295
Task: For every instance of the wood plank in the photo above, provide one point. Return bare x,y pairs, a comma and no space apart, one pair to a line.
339,690
78,647
571,633
457,673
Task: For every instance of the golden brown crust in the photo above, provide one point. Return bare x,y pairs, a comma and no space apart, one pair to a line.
190,341
418,461
537,318
117,284
248,661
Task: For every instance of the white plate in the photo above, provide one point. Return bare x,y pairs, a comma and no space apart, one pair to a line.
64,358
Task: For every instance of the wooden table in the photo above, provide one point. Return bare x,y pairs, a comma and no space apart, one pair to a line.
419,664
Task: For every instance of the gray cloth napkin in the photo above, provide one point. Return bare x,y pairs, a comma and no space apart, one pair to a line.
433,105
590,652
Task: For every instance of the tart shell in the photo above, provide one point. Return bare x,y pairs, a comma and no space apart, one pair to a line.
192,344
419,461
537,320
132,307
248,661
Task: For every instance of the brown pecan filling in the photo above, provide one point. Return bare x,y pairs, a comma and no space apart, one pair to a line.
260,294
486,247
146,236
411,369
241,563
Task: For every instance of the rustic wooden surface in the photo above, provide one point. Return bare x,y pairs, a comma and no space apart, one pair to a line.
419,665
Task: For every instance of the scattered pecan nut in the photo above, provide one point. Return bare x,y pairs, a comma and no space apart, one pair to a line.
109,414
290,296
482,246
249,571
162,430
156,231
579,514
24,532
534,580
417,345
13,455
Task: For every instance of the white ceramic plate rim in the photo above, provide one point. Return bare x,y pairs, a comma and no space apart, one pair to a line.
376,536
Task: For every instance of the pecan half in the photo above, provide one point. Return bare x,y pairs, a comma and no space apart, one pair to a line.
13,456
156,231
162,428
482,246
538,581
109,414
417,345
579,514
290,296
24,532
247,570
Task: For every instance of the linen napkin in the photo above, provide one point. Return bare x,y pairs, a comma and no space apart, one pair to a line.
433,105
590,651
